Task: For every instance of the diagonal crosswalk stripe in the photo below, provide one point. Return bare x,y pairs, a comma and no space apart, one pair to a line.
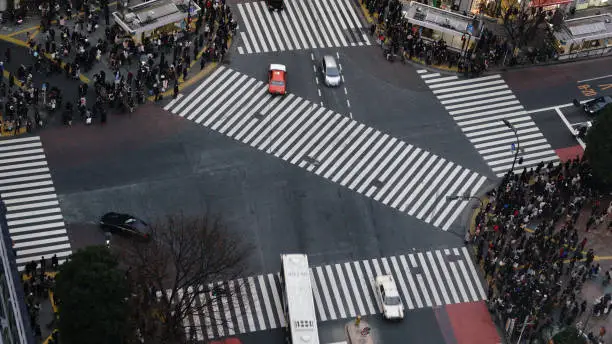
312,24
411,180
479,106
341,290
33,212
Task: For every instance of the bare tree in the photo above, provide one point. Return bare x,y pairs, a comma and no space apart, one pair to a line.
172,273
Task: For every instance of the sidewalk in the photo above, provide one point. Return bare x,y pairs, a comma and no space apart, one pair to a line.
500,61
29,30
598,238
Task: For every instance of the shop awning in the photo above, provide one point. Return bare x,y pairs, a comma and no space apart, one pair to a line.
546,3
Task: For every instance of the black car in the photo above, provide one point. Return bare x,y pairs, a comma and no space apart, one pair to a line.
275,5
125,224
596,105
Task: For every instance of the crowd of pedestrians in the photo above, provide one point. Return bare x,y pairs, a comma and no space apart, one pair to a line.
535,277
135,69
37,282
400,38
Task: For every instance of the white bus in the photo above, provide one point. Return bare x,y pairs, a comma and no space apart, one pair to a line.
298,303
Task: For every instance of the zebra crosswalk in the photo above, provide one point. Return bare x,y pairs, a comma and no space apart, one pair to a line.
33,215
335,147
479,107
342,290
301,25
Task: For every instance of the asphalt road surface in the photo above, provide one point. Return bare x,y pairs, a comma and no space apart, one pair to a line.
354,176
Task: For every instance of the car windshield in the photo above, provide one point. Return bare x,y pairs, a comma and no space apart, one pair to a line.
277,83
392,301
332,71
137,225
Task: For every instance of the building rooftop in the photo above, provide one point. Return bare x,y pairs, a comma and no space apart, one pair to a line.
585,29
439,19
153,14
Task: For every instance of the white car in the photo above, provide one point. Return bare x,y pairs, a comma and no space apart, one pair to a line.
393,308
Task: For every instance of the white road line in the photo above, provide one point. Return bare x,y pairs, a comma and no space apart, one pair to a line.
317,297
267,304
396,173
301,24
430,281
365,288
419,277
442,196
450,191
236,306
257,304
326,294
300,133
459,282
17,238
334,288
597,78
345,290
468,260
19,245
355,290
466,276
447,278
226,313
32,205
264,25
277,300
437,276
173,101
426,195
22,172
420,186
315,29
396,144
451,204
413,180
305,151
368,159
569,127
278,23
370,275
261,41
22,166
22,146
398,273
349,154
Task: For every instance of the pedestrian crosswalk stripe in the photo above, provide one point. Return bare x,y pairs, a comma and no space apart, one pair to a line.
335,147
479,107
33,213
340,290
301,25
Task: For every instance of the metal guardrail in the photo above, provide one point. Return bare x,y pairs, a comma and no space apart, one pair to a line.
597,52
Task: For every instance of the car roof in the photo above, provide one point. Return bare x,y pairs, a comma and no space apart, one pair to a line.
118,215
330,61
276,66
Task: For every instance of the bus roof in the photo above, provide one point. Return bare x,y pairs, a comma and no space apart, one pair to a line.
300,302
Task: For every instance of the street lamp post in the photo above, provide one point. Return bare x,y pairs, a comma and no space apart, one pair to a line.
518,143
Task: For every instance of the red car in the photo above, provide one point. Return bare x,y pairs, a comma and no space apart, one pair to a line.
277,79
227,341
